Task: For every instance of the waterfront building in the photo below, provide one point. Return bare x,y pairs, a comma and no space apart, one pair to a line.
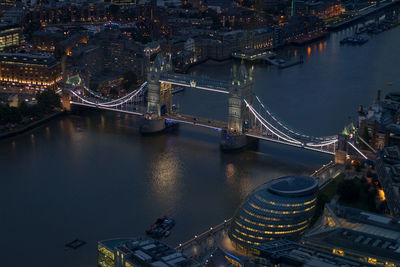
323,9
278,209
283,252
45,41
10,38
7,3
300,30
261,39
124,3
67,12
379,124
360,235
139,251
27,71
13,16
387,167
73,41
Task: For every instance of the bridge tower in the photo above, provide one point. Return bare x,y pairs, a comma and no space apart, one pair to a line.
158,97
239,119
342,149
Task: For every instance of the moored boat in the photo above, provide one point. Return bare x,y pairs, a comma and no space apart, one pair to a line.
161,227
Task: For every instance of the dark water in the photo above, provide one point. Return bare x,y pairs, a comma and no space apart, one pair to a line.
94,177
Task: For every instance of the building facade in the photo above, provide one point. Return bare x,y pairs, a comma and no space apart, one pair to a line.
10,38
370,238
29,72
388,169
139,251
279,209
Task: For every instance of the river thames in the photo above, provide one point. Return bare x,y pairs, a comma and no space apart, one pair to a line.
93,176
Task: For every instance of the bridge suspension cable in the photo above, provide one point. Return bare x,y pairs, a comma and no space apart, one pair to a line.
284,134
289,128
269,126
113,103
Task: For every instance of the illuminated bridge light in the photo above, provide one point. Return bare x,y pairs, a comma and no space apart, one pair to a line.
281,208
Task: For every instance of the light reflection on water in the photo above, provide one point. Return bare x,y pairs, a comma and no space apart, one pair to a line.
166,178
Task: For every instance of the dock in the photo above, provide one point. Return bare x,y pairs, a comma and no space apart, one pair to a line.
282,64
363,13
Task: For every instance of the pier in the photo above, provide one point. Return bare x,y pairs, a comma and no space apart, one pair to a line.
200,246
363,13
282,64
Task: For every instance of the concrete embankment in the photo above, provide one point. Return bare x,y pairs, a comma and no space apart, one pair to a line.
30,125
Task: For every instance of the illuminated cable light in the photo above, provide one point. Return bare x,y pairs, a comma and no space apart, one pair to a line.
287,127
263,121
356,149
134,94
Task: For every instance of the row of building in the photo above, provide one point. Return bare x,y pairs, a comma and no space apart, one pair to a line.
379,127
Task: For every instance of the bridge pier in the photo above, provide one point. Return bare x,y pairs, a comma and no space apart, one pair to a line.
150,125
231,142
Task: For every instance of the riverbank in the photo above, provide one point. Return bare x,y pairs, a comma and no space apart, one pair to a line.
361,15
30,126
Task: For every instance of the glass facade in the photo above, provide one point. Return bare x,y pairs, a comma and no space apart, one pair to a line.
10,38
281,208
105,256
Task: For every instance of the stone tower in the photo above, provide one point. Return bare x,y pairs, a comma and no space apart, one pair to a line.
239,119
242,87
342,149
158,94
153,85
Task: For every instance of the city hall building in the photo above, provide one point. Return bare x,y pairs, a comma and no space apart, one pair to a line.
282,208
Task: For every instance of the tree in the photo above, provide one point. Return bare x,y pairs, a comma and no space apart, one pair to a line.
113,92
130,80
322,199
23,108
348,190
48,100
114,11
30,29
9,114
366,137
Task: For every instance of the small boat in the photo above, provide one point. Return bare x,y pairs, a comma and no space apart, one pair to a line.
355,40
161,227
77,243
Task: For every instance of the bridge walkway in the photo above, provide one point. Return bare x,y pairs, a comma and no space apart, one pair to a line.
197,121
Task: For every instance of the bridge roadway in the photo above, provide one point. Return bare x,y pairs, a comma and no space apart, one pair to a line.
202,83
256,133
177,117
197,121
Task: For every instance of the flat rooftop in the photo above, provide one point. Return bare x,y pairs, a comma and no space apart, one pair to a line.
293,186
27,58
358,232
144,251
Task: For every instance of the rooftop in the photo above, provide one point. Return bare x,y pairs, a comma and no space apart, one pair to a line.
146,251
27,58
358,232
293,186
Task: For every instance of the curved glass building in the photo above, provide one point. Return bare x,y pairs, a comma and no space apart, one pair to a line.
281,208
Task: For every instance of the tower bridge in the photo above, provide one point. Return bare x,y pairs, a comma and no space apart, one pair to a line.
249,119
